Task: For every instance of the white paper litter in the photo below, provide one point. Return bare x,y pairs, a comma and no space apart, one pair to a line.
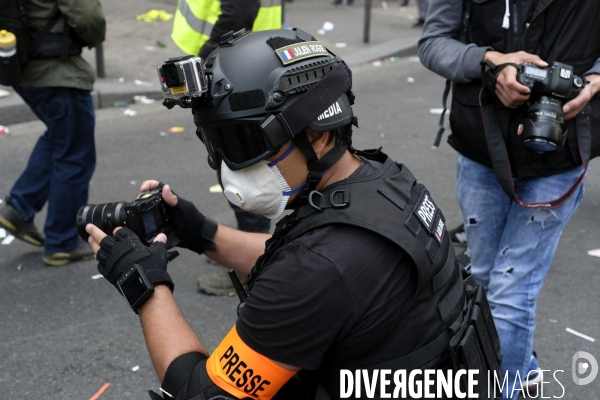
376,63
581,335
143,100
341,45
2,233
121,80
149,48
1,201
320,31
4,93
135,368
215,189
410,79
553,321
8,240
594,253
328,26
381,134
133,182
129,112
142,83
436,111
97,276
163,133
414,59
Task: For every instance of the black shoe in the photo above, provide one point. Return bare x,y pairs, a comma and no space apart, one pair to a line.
419,24
82,252
14,224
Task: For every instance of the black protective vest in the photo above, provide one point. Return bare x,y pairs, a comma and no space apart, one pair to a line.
392,204
556,30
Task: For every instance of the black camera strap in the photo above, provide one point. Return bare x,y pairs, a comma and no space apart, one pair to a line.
499,154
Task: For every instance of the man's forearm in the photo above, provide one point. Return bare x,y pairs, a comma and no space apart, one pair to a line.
168,335
236,249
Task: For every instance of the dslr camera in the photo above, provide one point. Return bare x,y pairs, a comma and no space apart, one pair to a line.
146,216
542,129
182,81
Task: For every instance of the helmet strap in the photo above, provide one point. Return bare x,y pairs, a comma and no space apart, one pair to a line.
316,166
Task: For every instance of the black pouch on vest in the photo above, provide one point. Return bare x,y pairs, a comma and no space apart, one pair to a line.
476,345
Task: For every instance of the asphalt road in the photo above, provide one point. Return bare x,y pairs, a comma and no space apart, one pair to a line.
63,334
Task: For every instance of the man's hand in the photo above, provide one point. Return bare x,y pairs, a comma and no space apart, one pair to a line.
574,106
116,254
510,92
188,221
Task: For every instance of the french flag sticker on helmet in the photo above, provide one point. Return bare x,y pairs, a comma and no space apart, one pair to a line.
301,51
287,55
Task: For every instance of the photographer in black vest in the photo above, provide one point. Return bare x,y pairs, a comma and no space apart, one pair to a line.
361,276
525,118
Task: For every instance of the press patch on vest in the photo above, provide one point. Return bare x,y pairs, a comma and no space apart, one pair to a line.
244,373
247,100
439,229
426,211
301,51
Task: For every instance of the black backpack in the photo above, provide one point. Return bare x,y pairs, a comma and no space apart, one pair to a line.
33,45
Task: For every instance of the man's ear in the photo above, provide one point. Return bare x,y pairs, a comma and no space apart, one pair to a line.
318,140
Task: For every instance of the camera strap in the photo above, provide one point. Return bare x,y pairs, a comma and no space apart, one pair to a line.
499,154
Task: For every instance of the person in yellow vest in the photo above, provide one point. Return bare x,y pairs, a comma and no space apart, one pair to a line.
197,29
199,24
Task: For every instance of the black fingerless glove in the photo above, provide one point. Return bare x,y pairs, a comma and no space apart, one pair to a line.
119,252
193,230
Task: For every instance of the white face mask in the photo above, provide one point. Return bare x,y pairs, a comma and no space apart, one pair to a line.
259,188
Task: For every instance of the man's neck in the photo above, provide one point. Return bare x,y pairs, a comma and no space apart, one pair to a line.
342,169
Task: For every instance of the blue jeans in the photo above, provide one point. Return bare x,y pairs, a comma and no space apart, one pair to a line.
61,163
511,249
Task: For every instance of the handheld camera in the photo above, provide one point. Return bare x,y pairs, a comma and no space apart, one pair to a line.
146,216
542,130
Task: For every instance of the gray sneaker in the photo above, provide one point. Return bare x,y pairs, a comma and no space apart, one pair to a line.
14,224
218,283
82,252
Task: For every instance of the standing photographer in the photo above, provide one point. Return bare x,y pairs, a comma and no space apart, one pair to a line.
513,231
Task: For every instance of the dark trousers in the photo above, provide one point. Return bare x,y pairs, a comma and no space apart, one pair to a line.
61,163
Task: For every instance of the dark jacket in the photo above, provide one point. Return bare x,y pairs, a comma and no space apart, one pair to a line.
235,15
556,30
86,18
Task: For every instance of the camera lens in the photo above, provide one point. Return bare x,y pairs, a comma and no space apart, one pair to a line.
542,130
106,216
172,77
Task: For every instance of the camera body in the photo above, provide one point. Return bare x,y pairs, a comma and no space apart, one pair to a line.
542,130
182,80
146,216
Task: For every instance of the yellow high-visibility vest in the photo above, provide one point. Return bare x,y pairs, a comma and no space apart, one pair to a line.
194,20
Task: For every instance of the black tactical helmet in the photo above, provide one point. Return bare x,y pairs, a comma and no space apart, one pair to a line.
264,88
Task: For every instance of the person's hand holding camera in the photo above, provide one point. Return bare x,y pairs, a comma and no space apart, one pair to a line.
193,231
118,253
510,92
574,107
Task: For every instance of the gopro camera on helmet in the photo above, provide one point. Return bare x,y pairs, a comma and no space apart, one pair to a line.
182,80
146,216
542,130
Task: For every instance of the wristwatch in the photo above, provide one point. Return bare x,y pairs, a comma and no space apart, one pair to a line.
137,285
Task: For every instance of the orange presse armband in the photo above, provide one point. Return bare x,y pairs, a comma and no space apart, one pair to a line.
243,372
